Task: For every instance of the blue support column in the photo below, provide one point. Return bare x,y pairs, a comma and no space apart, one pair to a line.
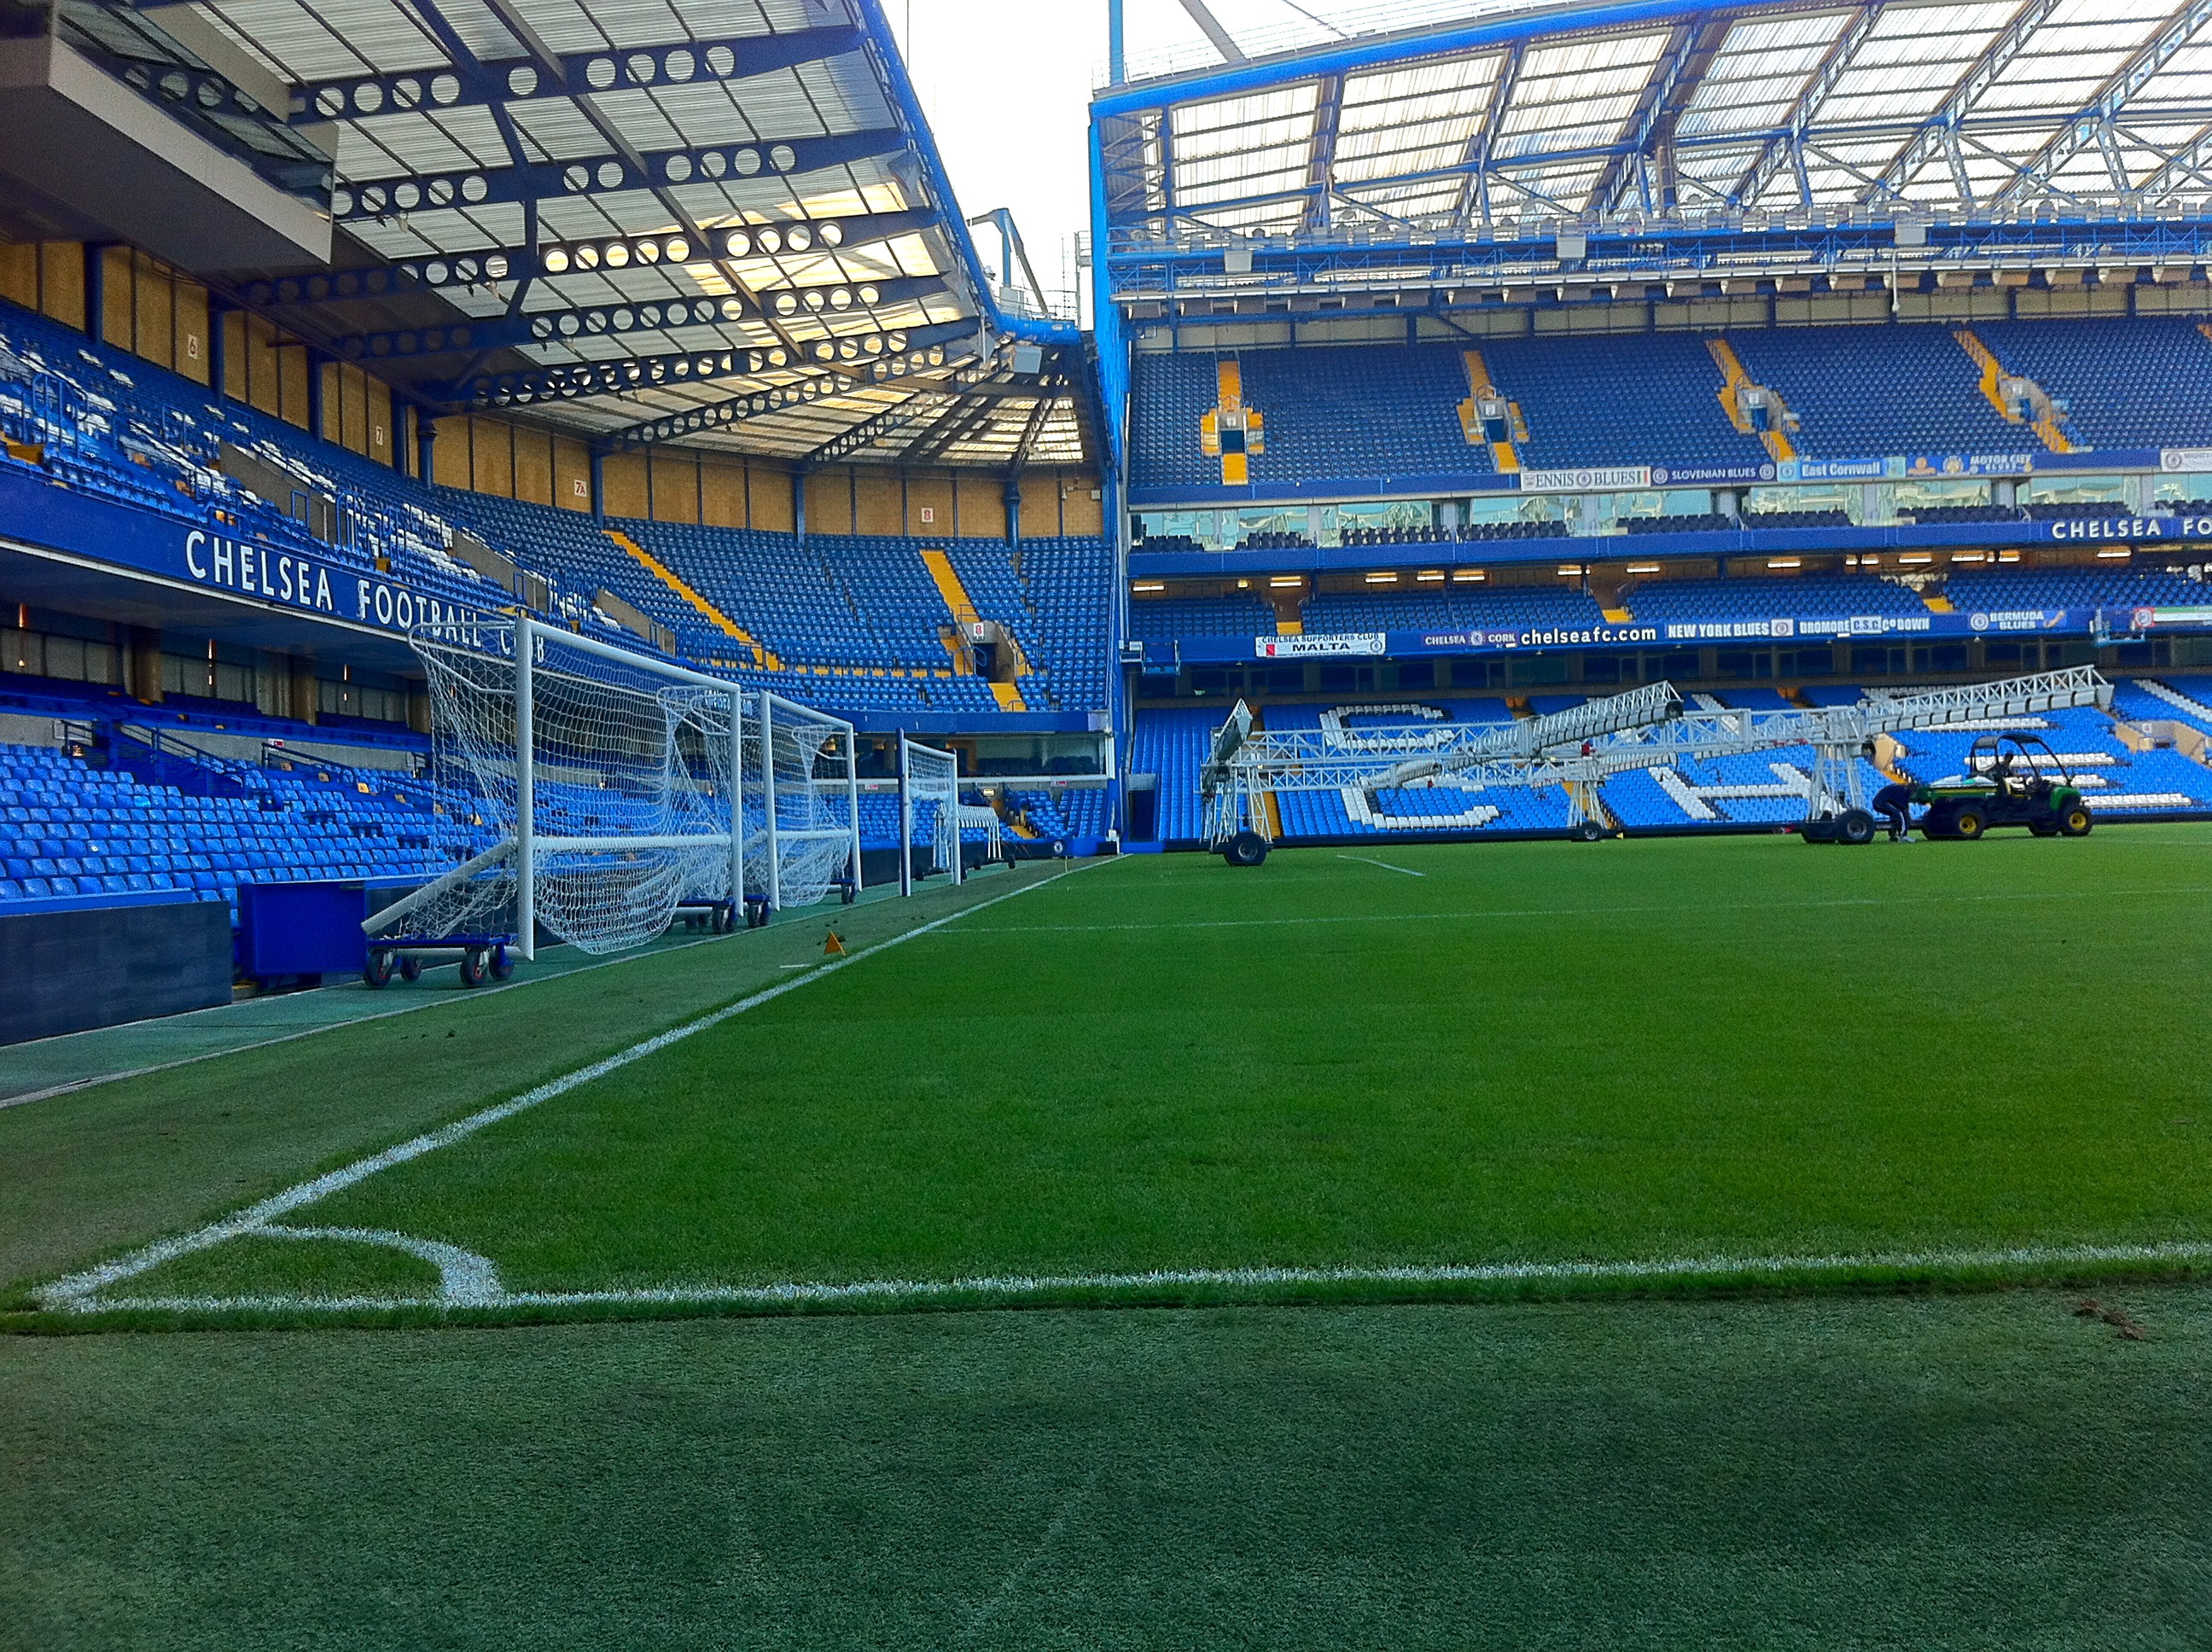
598,485
798,505
1014,498
95,292
217,356
1117,55
426,448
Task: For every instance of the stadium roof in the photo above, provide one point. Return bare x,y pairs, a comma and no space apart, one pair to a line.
720,222
1653,108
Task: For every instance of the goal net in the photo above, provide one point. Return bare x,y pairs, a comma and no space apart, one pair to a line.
609,790
929,810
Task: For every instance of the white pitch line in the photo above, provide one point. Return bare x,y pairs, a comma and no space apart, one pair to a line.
1017,1288
77,1290
1385,864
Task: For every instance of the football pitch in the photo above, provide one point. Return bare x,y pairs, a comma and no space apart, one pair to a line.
1413,1072
1519,1245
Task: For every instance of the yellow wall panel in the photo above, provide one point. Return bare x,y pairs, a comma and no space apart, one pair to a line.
192,353
1079,512
19,273
237,357
571,475
154,308
61,282
533,466
768,498
449,453
880,495
929,504
722,493
980,506
381,446
261,365
491,446
624,477
292,375
829,501
675,486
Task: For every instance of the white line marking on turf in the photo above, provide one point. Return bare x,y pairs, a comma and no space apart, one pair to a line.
1607,913
1385,864
464,1278
77,1290
1017,1288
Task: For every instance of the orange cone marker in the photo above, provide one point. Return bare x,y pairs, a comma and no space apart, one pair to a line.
833,947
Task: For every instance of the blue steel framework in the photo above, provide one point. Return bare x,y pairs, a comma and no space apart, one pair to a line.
1506,158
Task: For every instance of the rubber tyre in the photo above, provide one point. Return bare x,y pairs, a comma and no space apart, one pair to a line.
1856,828
410,968
2076,821
475,964
1968,825
502,963
756,915
1245,849
1589,832
376,972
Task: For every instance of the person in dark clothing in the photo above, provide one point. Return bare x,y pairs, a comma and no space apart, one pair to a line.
1893,803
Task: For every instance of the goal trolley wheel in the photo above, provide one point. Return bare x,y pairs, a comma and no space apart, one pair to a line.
756,914
1246,848
848,893
376,971
502,963
410,968
476,965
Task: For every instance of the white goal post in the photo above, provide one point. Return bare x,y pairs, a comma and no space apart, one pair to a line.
616,789
928,780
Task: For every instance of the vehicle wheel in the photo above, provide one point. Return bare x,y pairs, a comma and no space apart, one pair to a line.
410,968
2075,820
1589,832
1245,849
849,895
502,963
1968,825
475,963
377,971
756,915
1856,827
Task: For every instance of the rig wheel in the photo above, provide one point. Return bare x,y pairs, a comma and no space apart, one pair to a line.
502,963
377,971
475,964
1589,832
1245,849
1856,827
410,968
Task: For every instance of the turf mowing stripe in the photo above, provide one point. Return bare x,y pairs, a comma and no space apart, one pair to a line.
1595,912
1385,864
77,1291
1030,1290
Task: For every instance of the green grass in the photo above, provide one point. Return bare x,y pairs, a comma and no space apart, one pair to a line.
1982,1472
1634,1050
1536,1053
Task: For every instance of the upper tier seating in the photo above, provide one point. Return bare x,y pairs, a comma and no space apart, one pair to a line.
2144,382
1870,391
1448,609
2070,587
1653,399
1162,619
1819,596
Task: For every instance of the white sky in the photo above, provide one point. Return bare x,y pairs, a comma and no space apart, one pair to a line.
1006,86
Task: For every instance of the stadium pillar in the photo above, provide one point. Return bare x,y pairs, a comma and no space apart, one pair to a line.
598,485
95,291
142,661
1014,498
1117,55
426,448
798,506
314,393
217,356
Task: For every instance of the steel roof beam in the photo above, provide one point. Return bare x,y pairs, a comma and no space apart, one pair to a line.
364,200
760,403
1938,133
1223,41
1665,96
1320,155
2095,123
872,351
862,436
519,80
612,320
1786,147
